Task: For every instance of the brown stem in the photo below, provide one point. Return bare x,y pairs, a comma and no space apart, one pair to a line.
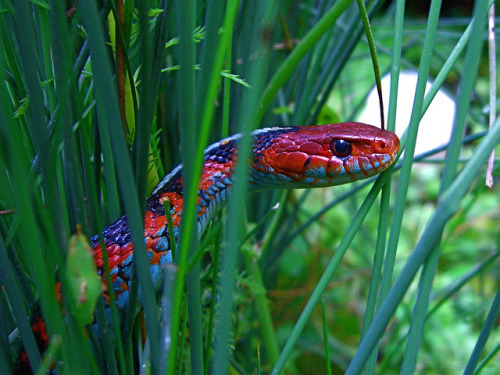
120,64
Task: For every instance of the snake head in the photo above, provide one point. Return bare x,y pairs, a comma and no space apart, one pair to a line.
322,155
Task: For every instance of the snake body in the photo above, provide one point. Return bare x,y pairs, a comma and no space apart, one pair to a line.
288,157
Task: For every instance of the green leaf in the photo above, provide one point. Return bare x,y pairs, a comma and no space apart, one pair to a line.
84,283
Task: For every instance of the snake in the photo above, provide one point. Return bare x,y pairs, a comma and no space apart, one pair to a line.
282,158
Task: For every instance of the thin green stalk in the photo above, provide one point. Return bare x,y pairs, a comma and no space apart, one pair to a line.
265,317
191,155
227,89
206,119
419,315
384,205
145,115
211,315
399,17
210,66
373,54
233,228
211,86
169,276
378,261
483,336
325,340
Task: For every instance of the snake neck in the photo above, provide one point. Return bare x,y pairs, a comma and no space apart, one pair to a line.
215,181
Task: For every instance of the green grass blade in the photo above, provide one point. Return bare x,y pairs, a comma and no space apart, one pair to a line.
373,54
190,151
263,14
483,337
262,304
378,261
325,335
147,99
420,313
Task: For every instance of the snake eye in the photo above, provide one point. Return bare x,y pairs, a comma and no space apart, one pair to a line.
340,148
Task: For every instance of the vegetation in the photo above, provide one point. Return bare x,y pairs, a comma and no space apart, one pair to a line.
397,274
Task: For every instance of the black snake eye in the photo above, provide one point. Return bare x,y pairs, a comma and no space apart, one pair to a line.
340,148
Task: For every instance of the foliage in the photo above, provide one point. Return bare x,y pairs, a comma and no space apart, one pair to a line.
101,98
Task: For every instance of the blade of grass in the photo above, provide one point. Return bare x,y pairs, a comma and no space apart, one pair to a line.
325,336
262,304
377,269
263,16
373,54
185,23
485,333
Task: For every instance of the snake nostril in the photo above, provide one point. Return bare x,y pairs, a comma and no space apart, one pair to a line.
381,146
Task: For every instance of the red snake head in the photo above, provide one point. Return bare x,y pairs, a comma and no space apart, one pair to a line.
322,155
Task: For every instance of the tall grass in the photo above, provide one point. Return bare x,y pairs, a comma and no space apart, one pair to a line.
102,98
